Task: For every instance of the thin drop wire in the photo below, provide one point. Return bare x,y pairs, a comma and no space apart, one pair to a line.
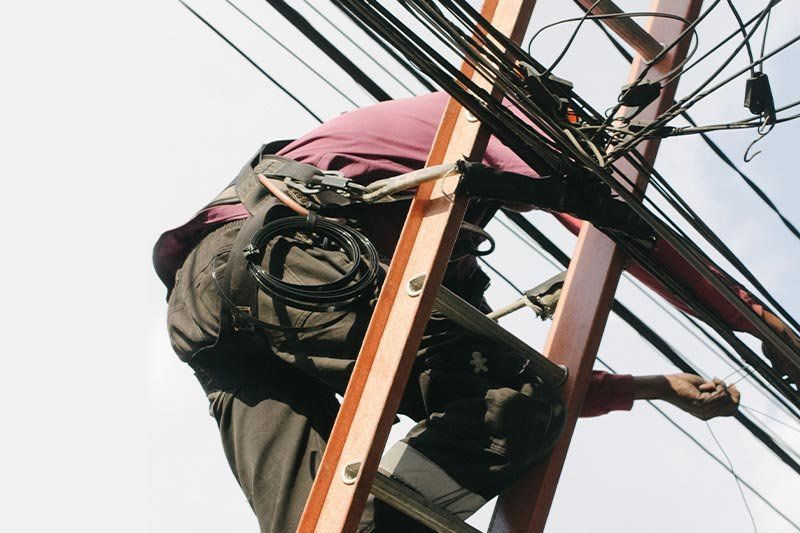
711,455
716,47
253,63
709,142
764,40
288,50
358,47
530,245
744,33
699,93
735,476
572,37
645,71
501,276
766,415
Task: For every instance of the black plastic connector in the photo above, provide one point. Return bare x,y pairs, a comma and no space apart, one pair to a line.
640,94
550,92
758,96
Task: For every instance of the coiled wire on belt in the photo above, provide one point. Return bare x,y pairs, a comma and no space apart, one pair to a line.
358,283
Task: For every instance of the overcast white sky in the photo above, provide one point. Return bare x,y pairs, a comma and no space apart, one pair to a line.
119,119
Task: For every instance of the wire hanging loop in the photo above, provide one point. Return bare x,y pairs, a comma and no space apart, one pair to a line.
766,125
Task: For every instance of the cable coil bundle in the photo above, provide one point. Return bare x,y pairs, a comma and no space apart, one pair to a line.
357,283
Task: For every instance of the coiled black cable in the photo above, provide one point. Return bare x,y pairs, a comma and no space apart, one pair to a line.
359,282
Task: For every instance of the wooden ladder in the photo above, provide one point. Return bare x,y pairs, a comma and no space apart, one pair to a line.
348,471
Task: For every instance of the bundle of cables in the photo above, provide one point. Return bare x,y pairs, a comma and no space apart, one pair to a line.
357,283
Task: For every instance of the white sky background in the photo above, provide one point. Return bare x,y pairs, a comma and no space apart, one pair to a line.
119,120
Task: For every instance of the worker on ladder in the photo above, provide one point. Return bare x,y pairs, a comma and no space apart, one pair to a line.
269,310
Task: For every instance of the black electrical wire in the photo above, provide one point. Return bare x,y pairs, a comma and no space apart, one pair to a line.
289,51
498,122
713,456
358,47
226,39
529,229
647,333
597,18
694,97
501,276
386,48
261,70
571,39
764,40
711,144
698,93
311,33
750,183
658,57
614,16
713,49
356,284
740,22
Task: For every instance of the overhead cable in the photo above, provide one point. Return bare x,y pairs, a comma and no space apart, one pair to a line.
647,333
331,50
539,151
358,47
715,458
711,144
261,70
271,79
411,69
289,51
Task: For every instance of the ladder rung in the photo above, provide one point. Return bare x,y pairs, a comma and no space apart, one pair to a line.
409,502
469,318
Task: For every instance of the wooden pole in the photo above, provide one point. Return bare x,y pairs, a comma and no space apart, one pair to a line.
373,395
586,300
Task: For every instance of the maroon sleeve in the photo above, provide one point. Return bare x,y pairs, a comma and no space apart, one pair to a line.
665,255
606,393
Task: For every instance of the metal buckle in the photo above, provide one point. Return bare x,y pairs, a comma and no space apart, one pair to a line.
329,180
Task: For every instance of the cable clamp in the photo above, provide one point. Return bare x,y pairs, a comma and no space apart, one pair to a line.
328,180
249,251
758,96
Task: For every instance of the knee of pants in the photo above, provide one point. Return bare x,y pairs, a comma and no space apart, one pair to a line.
524,423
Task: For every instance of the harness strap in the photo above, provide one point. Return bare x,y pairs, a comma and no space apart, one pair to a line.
250,191
245,188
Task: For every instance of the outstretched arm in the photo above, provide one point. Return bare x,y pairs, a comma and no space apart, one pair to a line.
698,397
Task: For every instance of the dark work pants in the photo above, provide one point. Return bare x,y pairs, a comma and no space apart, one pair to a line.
481,421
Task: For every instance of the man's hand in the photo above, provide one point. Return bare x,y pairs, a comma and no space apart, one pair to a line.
698,397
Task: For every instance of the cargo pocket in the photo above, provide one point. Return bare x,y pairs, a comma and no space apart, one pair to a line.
322,344
193,319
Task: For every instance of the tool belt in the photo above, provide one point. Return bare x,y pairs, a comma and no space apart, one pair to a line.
309,186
